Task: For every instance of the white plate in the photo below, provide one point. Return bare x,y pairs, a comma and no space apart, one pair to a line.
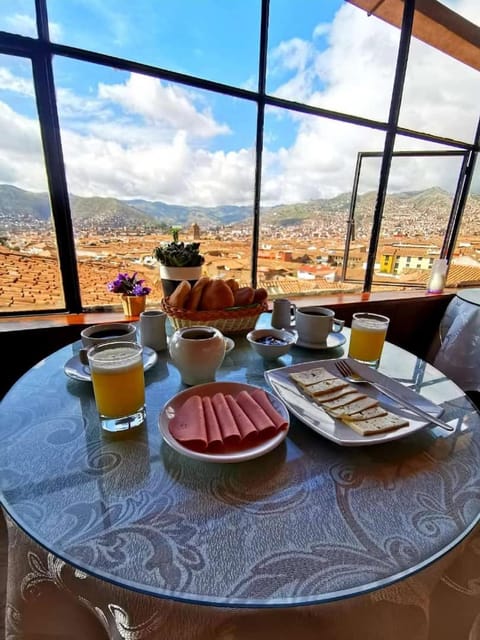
334,340
211,389
78,371
312,414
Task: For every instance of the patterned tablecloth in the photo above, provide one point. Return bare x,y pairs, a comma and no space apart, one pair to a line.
135,540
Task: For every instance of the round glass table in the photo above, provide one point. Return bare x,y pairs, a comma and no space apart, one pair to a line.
308,523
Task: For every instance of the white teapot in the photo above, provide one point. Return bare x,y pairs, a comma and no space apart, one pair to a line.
197,352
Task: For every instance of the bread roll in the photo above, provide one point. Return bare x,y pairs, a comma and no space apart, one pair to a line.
233,284
260,295
216,295
179,297
196,293
243,296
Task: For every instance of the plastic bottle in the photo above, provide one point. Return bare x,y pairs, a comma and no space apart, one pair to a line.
436,283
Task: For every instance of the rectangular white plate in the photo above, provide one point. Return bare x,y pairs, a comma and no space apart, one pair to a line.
312,414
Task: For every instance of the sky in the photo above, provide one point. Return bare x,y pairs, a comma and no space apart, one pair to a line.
131,136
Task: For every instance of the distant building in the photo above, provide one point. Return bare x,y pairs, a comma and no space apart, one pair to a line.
195,231
398,258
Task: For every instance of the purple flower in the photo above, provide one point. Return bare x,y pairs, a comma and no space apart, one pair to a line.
128,285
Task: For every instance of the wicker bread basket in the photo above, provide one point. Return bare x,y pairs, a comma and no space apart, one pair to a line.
228,321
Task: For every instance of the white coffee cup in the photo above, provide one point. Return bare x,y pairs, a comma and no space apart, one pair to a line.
313,324
108,332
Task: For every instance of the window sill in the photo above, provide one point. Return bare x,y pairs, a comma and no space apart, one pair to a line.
26,322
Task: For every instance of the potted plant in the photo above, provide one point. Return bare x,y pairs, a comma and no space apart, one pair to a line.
134,293
178,261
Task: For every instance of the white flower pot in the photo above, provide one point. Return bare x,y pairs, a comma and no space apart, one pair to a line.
172,276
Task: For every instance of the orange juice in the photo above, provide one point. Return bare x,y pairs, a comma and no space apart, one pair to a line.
367,337
118,380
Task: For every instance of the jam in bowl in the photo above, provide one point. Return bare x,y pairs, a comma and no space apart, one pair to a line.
271,343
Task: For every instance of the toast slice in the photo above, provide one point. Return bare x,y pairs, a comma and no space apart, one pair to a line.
336,393
354,407
337,403
380,424
325,386
342,401
372,412
311,376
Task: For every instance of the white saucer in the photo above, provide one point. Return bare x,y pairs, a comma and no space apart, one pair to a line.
334,340
78,371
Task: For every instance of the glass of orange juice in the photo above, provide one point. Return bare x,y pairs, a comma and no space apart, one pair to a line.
118,382
367,336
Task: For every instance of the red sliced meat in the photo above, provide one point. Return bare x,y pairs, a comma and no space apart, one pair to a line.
257,415
264,401
245,425
228,426
188,424
214,434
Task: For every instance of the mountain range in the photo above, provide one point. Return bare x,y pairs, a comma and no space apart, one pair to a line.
22,210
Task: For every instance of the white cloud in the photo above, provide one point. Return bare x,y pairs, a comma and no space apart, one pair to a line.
147,138
23,24
26,26
162,104
355,75
21,162
321,29
9,82
173,171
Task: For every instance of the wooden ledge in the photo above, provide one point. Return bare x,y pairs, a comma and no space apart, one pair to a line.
48,321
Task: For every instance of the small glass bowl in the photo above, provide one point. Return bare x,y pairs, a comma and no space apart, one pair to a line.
272,349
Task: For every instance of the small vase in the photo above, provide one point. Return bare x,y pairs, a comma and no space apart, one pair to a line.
172,276
133,305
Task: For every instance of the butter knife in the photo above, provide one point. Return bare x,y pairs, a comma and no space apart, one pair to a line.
413,408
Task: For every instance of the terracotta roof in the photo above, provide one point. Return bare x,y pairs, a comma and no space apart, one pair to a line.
33,282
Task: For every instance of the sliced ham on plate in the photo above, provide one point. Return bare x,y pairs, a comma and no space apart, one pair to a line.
228,426
223,421
214,434
257,415
261,397
188,424
246,427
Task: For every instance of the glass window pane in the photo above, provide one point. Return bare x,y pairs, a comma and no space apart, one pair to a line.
31,278
214,40
18,16
464,268
417,209
440,94
309,168
332,55
141,155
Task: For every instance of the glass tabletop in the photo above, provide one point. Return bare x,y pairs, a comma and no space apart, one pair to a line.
307,522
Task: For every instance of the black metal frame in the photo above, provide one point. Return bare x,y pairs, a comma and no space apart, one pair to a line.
454,218
41,51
